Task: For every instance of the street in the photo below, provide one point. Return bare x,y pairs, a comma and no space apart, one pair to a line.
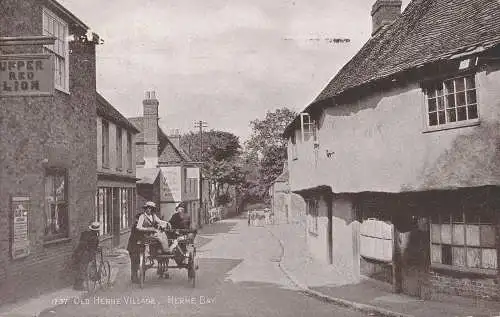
238,276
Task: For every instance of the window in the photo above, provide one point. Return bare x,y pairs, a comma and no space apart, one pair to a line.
129,151
56,204
185,180
104,210
464,241
105,143
119,154
54,26
308,127
126,207
312,218
452,101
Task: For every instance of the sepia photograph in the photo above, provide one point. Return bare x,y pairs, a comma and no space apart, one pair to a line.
250,158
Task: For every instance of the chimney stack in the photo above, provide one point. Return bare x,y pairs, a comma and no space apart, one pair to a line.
175,138
150,129
384,12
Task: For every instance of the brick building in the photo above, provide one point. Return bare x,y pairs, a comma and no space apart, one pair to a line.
167,175
116,182
47,152
399,152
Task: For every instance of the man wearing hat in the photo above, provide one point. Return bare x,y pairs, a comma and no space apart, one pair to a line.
85,252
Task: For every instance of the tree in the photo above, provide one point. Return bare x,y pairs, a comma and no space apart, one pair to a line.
267,143
221,161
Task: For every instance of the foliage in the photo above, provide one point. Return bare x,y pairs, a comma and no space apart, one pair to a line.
268,145
221,161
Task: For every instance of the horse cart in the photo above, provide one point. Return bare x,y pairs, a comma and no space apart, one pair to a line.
184,255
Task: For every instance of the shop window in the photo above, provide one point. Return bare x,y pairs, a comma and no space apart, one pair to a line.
464,241
312,216
104,210
56,215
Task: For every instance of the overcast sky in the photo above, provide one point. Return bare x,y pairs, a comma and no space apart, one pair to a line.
222,61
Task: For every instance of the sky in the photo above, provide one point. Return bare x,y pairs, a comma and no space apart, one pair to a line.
225,62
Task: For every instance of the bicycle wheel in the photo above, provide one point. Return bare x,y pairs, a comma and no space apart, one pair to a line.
92,275
142,269
105,274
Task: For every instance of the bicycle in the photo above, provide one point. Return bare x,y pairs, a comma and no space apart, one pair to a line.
98,272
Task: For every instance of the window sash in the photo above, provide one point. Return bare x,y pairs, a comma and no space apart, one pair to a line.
467,244
129,150
119,154
105,143
451,101
55,26
56,216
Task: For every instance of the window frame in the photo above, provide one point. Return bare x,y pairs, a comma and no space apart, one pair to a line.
106,229
119,148
456,124
54,172
105,143
465,246
129,151
50,48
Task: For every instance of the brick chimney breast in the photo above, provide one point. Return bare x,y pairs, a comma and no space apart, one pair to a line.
150,129
384,12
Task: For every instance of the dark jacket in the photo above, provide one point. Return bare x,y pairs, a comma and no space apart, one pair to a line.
177,222
135,235
87,246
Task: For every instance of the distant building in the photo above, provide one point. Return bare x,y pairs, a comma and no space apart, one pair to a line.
48,169
167,175
286,206
116,181
398,157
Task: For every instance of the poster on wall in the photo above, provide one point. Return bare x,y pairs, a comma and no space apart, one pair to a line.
20,238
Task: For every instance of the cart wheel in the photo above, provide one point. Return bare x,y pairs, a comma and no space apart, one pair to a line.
142,269
105,270
92,276
192,270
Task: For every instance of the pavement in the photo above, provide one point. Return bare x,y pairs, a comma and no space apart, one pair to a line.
33,307
336,285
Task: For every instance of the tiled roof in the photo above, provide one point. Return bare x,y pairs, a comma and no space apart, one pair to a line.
426,32
107,111
173,154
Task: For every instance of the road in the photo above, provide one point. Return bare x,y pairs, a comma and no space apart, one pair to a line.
238,276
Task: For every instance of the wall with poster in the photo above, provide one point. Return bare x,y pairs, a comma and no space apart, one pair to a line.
20,244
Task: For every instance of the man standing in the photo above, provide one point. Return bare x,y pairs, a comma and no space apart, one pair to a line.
133,250
85,252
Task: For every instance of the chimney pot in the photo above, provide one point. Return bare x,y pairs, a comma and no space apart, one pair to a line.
384,12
